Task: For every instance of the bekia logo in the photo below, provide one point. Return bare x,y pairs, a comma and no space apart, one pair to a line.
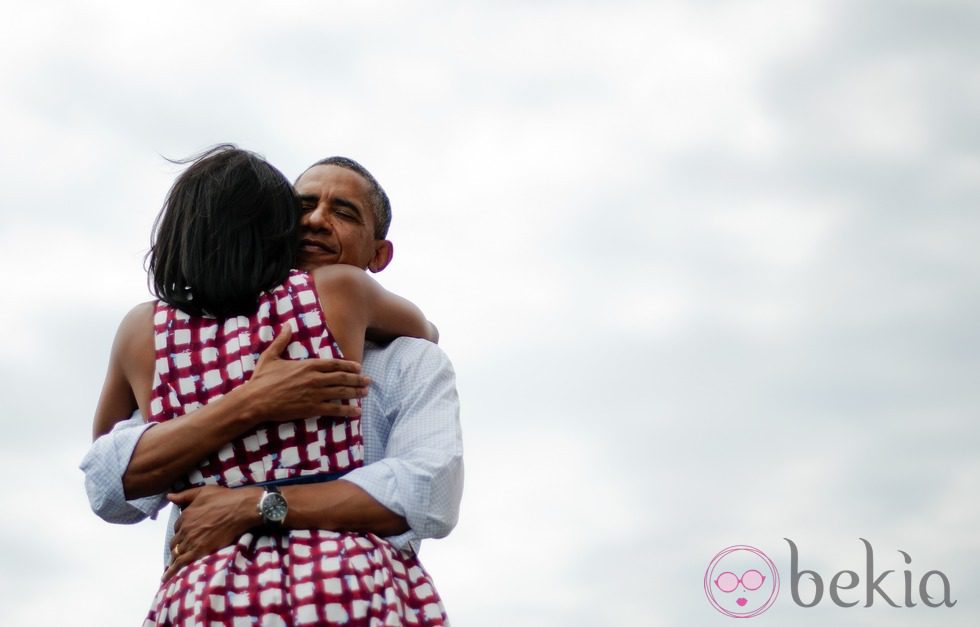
742,582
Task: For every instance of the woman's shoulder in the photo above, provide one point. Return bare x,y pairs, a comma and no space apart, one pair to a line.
338,271
137,322
134,338
341,277
139,317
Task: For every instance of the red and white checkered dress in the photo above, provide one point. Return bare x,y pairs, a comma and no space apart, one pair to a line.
307,577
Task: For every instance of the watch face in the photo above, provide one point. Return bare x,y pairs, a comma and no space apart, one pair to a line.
274,507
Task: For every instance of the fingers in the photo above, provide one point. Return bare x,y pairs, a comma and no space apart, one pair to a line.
278,345
314,371
329,407
182,552
334,393
185,498
281,341
179,561
338,410
342,379
179,557
333,365
340,386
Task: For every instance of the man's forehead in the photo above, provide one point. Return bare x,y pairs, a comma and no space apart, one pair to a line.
331,178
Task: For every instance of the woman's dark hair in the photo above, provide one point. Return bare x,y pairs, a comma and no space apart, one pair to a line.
226,233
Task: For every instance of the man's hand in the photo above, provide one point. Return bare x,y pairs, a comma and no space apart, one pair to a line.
285,389
212,518
279,390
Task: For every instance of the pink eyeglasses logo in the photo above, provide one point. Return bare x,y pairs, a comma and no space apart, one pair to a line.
741,581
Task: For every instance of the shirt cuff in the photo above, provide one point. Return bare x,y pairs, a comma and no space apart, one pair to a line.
379,481
104,466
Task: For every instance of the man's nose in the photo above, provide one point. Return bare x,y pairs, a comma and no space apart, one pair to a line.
317,220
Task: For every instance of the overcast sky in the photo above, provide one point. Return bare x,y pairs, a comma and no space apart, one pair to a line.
708,273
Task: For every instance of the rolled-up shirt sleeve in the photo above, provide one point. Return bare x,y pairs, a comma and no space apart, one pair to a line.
420,475
105,465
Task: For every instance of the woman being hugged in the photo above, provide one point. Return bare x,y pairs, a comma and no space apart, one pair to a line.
222,266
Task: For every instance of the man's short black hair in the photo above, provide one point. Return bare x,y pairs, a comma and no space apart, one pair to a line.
380,204
227,232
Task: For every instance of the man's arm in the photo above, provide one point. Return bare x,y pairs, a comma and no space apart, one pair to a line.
280,388
139,463
412,493
420,473
417,436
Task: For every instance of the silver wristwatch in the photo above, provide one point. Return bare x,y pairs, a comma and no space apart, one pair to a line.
272,506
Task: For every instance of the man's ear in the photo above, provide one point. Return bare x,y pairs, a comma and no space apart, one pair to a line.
383,253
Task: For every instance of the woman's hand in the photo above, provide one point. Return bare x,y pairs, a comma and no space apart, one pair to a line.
213,517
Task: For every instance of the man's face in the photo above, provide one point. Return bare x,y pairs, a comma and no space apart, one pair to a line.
338,220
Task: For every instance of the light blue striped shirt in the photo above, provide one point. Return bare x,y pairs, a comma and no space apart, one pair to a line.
413,447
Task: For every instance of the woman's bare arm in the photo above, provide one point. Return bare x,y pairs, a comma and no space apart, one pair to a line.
356,306
130,368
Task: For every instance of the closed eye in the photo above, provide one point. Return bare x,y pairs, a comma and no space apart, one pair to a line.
308,203
347,210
